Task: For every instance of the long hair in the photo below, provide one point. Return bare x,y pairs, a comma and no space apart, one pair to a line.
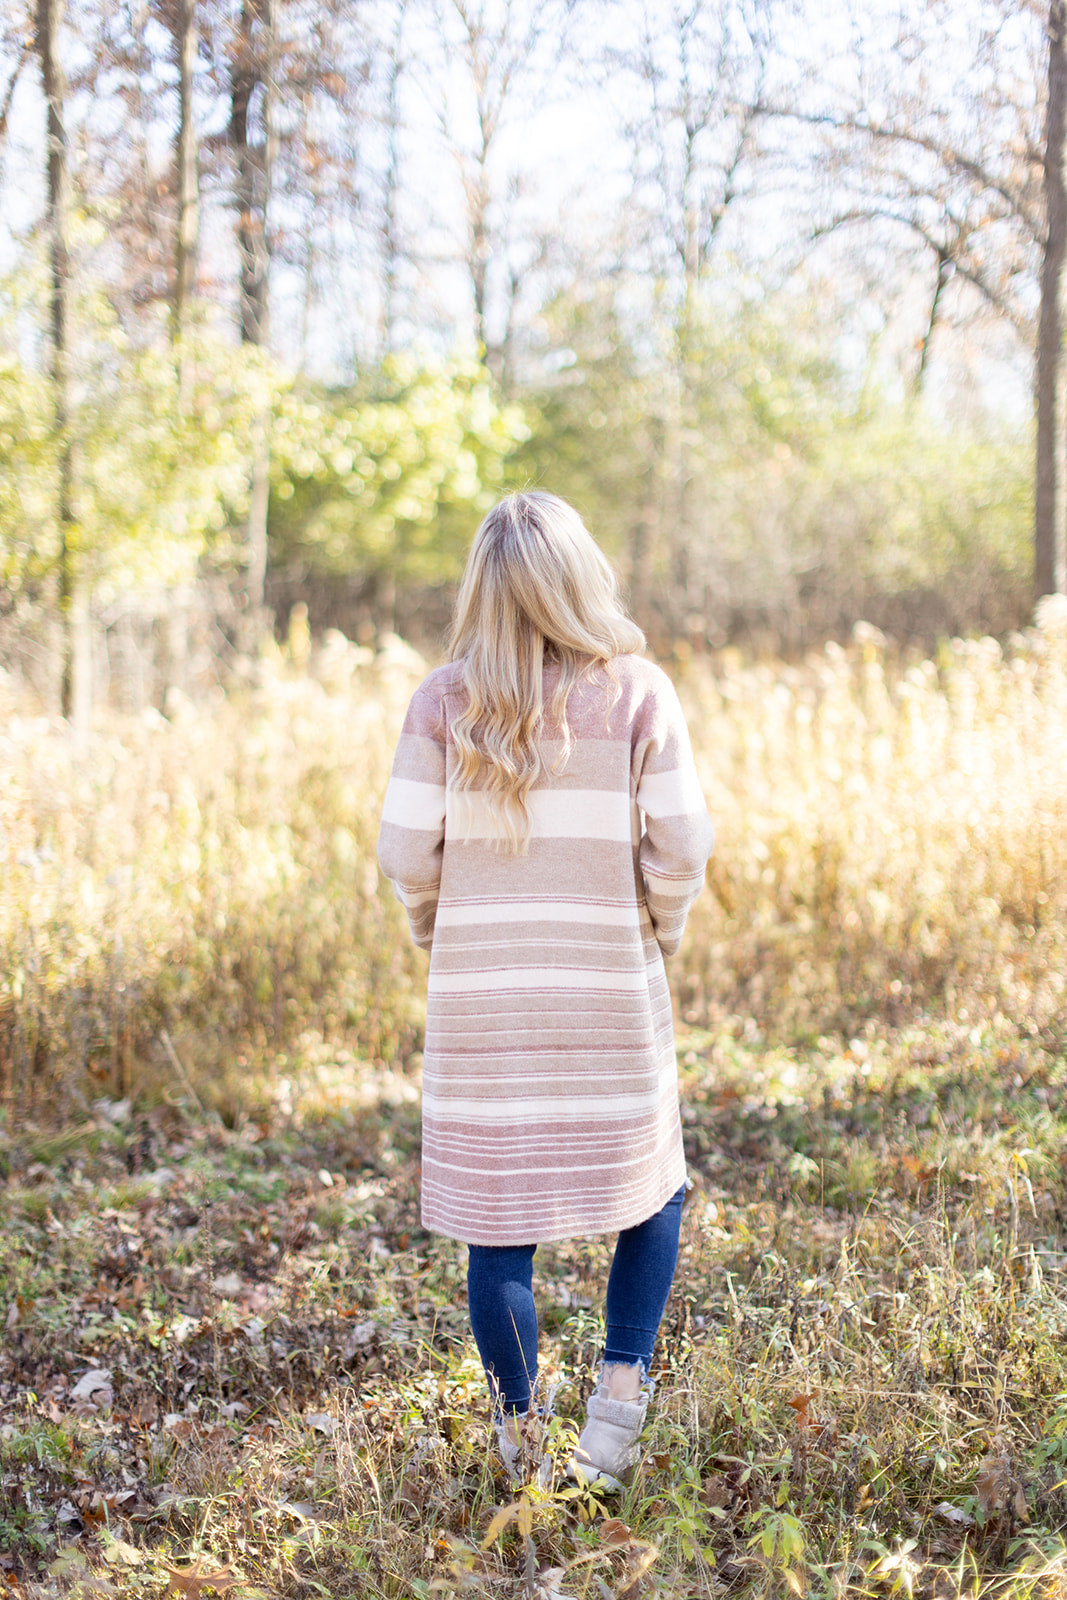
536,587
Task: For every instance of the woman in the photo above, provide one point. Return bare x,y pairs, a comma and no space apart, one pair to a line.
546,831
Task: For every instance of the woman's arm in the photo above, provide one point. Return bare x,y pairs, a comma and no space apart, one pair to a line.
678,836
412,834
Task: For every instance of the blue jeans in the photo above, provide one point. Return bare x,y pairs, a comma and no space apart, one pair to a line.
504,1317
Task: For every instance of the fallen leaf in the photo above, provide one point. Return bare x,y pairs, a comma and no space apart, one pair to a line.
800,1404
614,1532
190,1581
145,1412
993,1482
90,1506
520,1512
361,1334
68,1559
715,1491
952,1513
300,1508
94,1386
548,1584
117,1553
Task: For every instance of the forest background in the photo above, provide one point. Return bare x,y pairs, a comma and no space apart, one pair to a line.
290,291
288,294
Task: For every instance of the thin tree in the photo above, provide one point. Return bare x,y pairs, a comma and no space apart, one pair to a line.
187,162
253,143
75,668
1050,485
392,248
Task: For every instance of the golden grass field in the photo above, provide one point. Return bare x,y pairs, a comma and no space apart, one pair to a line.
209,1052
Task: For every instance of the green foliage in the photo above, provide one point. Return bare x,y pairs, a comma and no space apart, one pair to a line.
897,500
392,476
728,460
26,476
155,471
159,478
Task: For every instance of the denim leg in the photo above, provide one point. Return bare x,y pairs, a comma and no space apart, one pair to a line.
642,1271
504,1319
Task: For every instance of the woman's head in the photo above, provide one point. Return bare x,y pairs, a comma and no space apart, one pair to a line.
535,578
535,585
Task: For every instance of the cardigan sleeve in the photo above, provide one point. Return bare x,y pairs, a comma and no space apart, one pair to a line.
411,838
677,834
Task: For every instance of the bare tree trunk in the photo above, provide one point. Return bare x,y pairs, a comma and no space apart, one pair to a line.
252,70
75,680
188,238
186,261
1050,497
478,247
390,235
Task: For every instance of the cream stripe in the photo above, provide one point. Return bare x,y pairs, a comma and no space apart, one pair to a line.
462,913
549,978
673,888
548,946
554,814
671,794
594,1106
448,1043
410,804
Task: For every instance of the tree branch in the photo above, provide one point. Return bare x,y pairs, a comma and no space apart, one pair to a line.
971,273
950,157
9,92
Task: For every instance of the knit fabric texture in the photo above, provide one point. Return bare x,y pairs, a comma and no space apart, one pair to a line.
550,1087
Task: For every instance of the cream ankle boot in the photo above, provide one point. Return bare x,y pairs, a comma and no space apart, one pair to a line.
608,1446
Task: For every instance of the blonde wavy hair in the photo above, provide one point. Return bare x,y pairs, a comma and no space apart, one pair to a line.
536,588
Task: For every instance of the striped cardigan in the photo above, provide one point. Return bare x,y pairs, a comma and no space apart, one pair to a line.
550,1091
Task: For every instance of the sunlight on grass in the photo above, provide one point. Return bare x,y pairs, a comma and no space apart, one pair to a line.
233,1362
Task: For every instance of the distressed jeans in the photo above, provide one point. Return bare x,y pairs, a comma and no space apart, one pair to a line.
504,1317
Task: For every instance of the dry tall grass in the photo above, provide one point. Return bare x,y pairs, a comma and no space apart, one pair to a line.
198,896
862,1376
892,835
